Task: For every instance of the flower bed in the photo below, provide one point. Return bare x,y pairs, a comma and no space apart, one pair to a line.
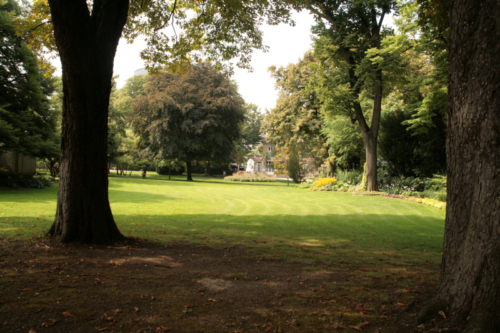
244,176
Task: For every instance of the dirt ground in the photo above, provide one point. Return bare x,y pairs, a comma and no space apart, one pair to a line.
144,287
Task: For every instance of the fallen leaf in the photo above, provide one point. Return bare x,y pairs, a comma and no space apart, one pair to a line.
421,326
31,331
336,327
162,329
67,314
359,326
117,311
39,310
136,309
101,329
97,281
442,314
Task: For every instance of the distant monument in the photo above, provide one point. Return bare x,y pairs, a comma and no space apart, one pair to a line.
140,71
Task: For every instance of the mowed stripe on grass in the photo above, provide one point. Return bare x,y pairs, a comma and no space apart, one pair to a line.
280,222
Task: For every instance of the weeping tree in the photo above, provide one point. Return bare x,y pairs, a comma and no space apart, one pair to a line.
191,116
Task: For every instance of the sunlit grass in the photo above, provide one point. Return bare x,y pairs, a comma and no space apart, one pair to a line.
277,222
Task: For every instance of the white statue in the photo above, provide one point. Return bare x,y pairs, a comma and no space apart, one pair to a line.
250,165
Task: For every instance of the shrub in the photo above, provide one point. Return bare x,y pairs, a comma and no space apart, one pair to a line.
244,176
324,184
351,177
295,169
10,179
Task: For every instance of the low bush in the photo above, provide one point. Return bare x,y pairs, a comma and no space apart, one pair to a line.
10,179
243,176
351,177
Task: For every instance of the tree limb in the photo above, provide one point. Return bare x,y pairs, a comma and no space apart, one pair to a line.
170,16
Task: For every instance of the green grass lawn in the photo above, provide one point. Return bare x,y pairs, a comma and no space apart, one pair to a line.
275,222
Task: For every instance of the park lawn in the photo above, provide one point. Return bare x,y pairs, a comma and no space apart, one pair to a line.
295,224
198,178
223,258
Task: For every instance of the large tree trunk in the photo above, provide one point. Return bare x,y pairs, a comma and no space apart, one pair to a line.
470,274
87,45
369,133
188,170
371,161
207,168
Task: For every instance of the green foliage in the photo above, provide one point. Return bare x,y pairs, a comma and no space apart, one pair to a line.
396,144
27,123
179,32
344,140
195,115
439,182
250,132
10,179
408,153
294,167
351,177
364,181
170,167
296,121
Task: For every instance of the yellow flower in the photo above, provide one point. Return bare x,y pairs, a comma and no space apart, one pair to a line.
322,182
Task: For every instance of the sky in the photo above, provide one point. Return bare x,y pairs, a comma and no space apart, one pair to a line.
286,45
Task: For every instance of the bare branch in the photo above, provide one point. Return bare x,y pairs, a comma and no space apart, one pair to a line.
38,26
169,17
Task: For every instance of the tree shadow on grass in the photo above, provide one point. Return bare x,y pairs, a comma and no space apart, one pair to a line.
405,239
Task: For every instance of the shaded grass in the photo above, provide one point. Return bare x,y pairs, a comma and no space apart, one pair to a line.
296,260
277,222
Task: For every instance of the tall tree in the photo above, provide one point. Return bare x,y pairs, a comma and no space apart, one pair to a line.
250,133
86,36
469,289
190,116
352,34
296,122
27,122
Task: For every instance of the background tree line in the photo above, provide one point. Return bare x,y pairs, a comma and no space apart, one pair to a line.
322,97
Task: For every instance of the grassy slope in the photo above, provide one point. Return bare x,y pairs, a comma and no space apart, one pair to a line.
280,222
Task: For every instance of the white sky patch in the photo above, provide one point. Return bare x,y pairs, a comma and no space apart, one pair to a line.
287,45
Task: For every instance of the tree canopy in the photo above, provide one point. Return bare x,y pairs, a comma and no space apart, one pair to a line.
27,122
195,115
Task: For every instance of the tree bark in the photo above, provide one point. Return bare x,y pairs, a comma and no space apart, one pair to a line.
470,274
207,168
87,45
188,171
370,134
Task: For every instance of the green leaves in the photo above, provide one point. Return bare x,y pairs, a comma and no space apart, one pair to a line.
195,115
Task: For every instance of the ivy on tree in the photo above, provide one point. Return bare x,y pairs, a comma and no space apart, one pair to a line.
195,115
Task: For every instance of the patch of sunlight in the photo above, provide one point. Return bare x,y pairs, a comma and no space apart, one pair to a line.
159,260
338,241
311,242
